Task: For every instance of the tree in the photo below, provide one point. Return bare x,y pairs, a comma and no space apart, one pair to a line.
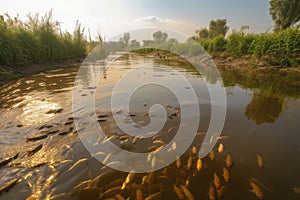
217,27
202,33
126,38
160,37
134,44
285,13
148,42
173,40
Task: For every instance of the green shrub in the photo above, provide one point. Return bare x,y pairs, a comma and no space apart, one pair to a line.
239,44
218,44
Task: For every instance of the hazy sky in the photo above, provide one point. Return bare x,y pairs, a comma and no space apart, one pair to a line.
111,17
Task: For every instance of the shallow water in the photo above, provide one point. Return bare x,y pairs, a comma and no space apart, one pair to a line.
263,111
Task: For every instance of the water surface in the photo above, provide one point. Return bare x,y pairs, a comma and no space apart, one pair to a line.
263,112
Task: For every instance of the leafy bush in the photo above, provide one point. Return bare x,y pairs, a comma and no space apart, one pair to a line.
239,44
218,44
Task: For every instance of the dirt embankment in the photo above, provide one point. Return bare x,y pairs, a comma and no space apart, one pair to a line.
246,62
9,73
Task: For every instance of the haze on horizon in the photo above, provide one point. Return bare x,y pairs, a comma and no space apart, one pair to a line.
110,18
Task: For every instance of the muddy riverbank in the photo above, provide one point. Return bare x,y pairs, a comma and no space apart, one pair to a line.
9,73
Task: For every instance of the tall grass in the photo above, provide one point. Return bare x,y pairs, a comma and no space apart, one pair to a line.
280,48
39,39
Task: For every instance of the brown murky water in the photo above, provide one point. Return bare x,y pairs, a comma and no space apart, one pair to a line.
263,112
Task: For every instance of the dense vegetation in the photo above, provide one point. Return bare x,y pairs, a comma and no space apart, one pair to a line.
278,48
39,39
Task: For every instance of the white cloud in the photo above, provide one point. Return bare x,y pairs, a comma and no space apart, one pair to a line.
164,23
154,19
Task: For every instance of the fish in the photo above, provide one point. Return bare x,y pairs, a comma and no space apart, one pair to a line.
217,181
134,140
65,161
187,182
36,138
256,190
151,178
112,192
114,183
260,161
170,129
199,164
127,180
149,157
33,197
228,161
132,114
189,162
296,190
221,191
139,194
187,193
54,111
144,179
260,184
226,175
101,120
98,154
222,137
103,178
35,150
66,131
221,148
39,165
173,147
77,163
155,196
119,197
194,150
102,115
124,137
158,142
178,162
82,185
212,192
158,149
52,132
169,106
8,186
178,192
68,123
7,161
107,158
153,161
212,155
155,136
51,178
200,133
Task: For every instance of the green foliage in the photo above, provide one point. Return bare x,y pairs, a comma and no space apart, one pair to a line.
285,49
218,44
202,33
285,13
39,39
160,37
239,44
217,27
279,48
